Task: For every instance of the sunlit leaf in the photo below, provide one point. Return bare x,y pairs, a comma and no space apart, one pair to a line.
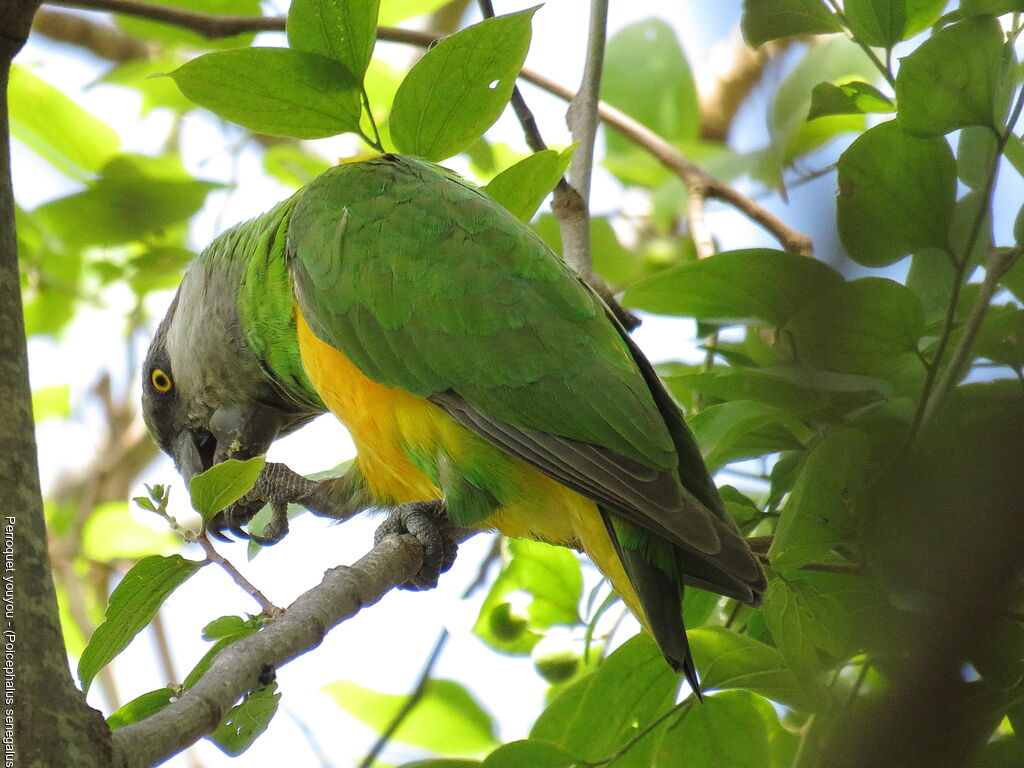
224,484
274,91
756,286
133,604
245,721
447,719
727,729
40,116
896,195
954,79
342,30
460,87
141,707
726,659
819,513
765,20
598,714
521,188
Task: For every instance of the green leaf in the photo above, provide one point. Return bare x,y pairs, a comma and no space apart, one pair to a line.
818,514
224,484
727,729
797,389
751,287
111,533
597,715
877,22
802,623
394,11
522,187
138,75
343,30
274,91
855,97
541,584
291,165
975,156
134,197
40,117
896,195
993,7
460,87
667,104
133,604
726,659
1001,338
529,752
835,60
225,631
954,79
53,402
141,707
867,326
742,429
765,20
922,14
447,719
171,35
245,721
157,269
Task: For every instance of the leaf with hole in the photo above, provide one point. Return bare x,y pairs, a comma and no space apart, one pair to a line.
460,87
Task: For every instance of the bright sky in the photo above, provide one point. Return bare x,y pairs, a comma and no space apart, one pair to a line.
386,645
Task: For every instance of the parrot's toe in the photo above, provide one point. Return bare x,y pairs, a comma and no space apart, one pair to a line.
428,522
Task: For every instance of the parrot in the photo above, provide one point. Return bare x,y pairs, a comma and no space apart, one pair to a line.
482,382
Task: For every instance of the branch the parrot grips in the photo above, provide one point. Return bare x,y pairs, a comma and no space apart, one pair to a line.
428,522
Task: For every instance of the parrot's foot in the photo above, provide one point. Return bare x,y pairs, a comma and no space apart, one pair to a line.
428,522
277,486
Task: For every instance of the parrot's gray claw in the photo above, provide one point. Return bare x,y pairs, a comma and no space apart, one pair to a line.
278,486
428,522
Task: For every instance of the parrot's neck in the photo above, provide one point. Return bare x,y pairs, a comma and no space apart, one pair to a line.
255,251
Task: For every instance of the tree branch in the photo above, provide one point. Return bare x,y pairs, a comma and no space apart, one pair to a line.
573,210
693,176
236,671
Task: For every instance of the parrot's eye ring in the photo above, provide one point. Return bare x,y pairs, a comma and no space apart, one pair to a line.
161,381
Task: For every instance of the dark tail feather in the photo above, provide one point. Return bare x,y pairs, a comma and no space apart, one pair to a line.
661,598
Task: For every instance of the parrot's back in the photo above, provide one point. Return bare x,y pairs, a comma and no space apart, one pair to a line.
471,364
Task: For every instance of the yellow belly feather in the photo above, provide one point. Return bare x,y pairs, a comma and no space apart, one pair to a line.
382,419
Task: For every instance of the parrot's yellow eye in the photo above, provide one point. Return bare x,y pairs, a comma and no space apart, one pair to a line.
161,381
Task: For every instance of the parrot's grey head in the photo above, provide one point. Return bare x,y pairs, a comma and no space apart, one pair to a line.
206,396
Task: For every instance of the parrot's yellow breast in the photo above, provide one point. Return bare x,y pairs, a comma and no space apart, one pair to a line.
382,420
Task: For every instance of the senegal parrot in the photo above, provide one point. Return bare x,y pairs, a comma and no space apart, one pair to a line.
472,368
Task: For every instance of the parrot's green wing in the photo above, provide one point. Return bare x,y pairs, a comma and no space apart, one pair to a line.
428,285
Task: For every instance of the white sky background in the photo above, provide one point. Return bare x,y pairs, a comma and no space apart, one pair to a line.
385,646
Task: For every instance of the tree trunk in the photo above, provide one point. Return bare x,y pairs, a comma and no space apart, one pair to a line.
45,720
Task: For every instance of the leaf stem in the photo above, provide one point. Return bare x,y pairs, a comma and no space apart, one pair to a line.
213,556
885,67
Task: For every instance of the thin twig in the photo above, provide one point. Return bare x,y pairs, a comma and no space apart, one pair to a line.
213,556
410,702
420,687
1000,261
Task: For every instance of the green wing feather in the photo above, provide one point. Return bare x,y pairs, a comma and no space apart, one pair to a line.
427,284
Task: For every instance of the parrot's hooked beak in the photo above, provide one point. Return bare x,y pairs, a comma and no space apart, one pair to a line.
194,452
236,431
